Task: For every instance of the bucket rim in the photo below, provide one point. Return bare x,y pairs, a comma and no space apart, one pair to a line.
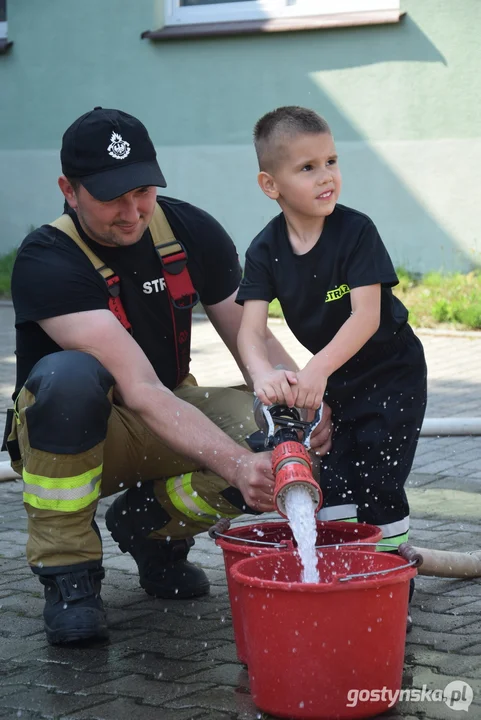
402,571
235,533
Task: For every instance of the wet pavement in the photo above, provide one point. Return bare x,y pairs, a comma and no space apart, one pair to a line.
176,660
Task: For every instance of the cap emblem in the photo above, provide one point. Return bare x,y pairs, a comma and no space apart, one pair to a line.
118,148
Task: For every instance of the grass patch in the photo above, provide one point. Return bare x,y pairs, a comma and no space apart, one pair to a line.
434,299
6,267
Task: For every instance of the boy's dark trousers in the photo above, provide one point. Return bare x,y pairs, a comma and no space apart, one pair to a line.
378,404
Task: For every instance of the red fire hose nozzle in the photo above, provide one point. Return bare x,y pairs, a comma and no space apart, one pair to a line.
291,464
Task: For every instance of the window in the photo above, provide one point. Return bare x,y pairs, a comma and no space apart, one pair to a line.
188,12
4,44
3,19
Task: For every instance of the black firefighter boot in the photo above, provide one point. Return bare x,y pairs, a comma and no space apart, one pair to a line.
73,609
164,570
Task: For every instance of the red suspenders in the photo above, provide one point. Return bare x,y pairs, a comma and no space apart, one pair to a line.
183,297
182,294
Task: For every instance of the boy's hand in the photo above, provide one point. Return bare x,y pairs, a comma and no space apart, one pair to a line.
311,385
276,386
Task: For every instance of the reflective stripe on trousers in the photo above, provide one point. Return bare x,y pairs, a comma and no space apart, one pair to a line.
395,533
347,513
68,494
188,502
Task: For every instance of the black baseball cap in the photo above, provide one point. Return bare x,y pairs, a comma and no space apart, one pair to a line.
110,153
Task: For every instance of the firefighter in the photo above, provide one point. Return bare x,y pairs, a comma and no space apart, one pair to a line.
104,399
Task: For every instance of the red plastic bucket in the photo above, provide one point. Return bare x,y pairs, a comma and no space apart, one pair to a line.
313,647
241,542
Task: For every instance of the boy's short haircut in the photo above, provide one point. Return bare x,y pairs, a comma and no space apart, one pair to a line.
278,126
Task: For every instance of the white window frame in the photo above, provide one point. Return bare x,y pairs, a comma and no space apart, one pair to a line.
3,23
269,10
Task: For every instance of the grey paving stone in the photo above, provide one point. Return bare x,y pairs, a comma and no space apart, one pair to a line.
205,607
219,698
58,678
444,641
447,586
165,646
149,690
438,681
189,644
444,604
26,582
474,650
48,703
214,715
205,628
232,674
420,537
23,604
461,592
132,617
17,569
225,653
437,622
14,647
468,483
471,608
18,625
132,596
417,479
444,466
457,665
128,709
159,666
424,523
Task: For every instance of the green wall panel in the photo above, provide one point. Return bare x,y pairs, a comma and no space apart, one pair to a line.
402,101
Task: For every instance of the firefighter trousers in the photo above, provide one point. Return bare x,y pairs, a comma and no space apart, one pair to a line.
378,410
76,445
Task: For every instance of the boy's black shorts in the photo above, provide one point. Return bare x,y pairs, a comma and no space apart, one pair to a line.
378,411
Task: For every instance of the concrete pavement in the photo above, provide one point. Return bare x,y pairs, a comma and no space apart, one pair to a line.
175,660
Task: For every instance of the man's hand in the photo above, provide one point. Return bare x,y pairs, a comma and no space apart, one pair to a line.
255,480
276,386
321,438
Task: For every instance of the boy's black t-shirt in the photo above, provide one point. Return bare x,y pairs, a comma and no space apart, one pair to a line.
313,289
53,277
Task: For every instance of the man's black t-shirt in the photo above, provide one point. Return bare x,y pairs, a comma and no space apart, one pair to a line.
313,289
53,277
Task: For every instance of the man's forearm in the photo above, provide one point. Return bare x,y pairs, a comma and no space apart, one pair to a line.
188,431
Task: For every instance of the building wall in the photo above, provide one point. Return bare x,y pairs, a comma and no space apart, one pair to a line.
401,100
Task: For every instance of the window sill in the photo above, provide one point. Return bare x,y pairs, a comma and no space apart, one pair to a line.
255,27
5,45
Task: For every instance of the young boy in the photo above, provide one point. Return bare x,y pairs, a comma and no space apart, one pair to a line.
332,274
